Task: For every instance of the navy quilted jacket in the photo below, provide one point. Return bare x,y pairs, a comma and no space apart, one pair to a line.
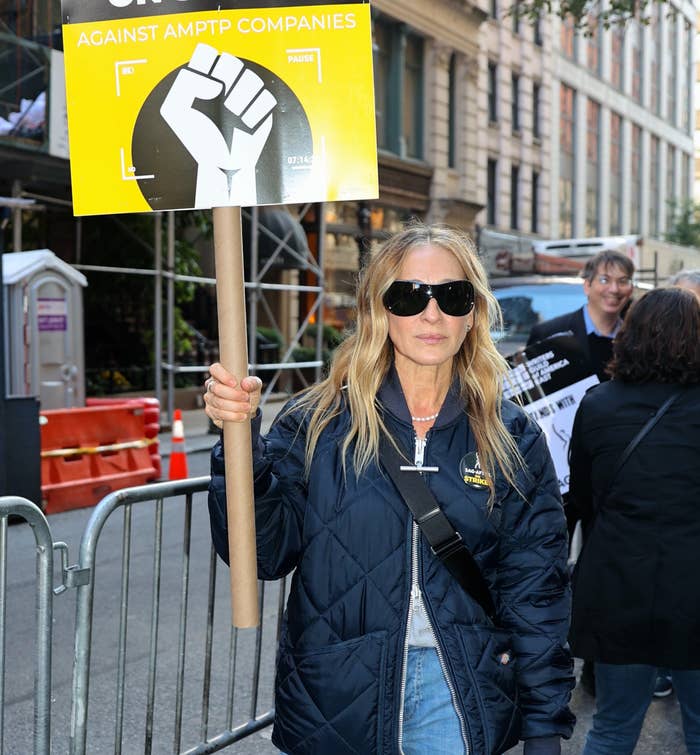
348,542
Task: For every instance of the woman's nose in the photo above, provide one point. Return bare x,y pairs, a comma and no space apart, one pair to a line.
432,311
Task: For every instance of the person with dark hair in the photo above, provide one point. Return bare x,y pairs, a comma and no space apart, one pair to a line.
388,644
608,285
636,484
690,280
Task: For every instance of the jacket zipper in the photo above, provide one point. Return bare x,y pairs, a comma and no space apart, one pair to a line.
414,588
450,686
420,444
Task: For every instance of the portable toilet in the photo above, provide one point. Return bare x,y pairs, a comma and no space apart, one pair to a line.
44,351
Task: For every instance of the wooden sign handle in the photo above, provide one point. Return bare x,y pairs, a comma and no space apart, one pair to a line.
233,354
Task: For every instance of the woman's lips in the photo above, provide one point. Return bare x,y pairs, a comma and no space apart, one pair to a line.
431,339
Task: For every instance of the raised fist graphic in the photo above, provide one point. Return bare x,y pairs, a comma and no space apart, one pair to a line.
225,173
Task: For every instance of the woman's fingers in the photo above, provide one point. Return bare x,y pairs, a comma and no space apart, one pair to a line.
221,374
228,400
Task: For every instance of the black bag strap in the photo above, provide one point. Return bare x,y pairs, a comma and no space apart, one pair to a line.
638,437
444,541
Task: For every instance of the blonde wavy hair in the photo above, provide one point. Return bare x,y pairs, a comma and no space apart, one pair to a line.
363,359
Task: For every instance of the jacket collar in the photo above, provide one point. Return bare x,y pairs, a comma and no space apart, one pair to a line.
393,401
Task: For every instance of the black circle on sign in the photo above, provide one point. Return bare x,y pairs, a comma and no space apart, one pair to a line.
281,170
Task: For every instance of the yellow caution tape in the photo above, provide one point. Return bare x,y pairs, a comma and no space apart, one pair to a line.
141,443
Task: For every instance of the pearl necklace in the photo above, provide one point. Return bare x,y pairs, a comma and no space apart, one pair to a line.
425,419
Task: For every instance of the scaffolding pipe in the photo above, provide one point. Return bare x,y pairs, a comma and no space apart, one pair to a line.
170,326
158,307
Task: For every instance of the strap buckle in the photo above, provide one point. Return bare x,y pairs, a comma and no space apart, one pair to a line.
446,549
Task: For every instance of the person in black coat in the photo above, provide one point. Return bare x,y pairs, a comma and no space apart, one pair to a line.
636,601
607,283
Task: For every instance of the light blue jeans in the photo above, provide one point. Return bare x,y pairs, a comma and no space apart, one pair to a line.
430,723
623,694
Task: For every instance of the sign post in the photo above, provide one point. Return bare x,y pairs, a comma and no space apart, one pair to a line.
198,104
233,352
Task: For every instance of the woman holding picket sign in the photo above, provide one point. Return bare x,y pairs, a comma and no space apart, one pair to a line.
421,517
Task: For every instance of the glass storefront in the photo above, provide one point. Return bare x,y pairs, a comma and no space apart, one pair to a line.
354,230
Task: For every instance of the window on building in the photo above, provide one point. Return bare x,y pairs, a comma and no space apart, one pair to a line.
688,85
654,186
491,186
515,102
452,114
671,200
617,45
493,92
343,233
671,69
36,21
592,168
686,73
535,202
567,36
398,76
615,173
635,31
514,196
413,97
537,31
685,178
566,160
493,8
382,46
595,30
536,109
655,58
516,17
636,182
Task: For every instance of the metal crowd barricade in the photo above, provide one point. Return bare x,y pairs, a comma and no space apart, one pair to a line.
21,507
167,678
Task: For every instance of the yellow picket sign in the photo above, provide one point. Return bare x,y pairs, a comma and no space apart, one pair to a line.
177,105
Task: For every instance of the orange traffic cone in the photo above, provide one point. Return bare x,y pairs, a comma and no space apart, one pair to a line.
177,468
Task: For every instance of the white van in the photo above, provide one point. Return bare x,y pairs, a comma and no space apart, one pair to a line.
505,253
517,253
570,255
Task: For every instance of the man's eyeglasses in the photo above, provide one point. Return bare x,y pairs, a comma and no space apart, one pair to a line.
608,280
406,298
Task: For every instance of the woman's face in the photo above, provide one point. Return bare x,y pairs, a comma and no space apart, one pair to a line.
430,338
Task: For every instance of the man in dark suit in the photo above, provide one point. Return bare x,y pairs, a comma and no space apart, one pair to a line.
607,283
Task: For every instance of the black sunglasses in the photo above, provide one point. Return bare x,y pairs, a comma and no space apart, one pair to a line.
406,298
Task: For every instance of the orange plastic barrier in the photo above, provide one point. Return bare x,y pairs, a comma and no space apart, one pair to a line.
151,413
88,452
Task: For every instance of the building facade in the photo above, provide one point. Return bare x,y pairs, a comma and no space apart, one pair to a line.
483,120
696,182
515,137
589,134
